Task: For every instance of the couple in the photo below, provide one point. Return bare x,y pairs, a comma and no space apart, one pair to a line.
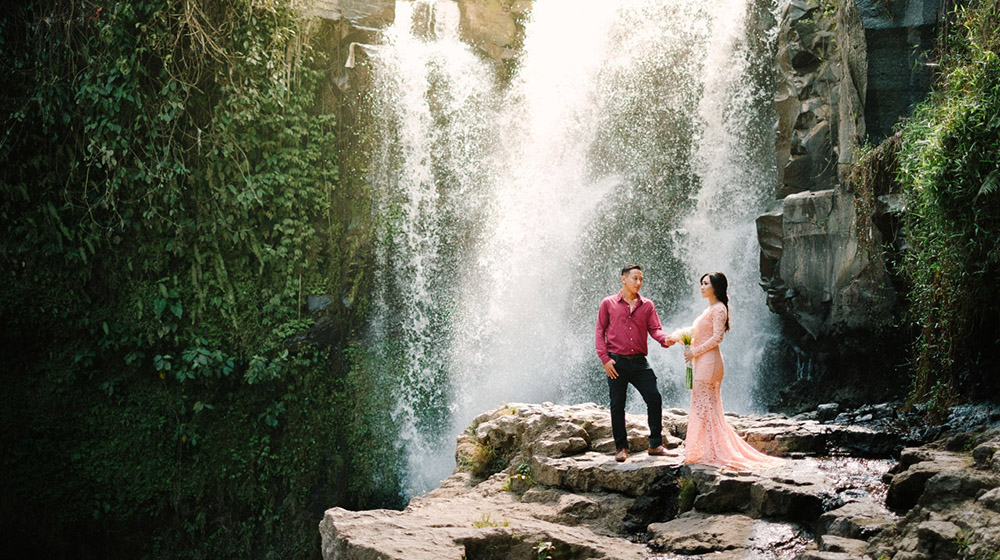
623,322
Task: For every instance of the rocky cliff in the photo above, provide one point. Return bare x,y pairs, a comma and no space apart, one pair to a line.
846,75
833,64
540,481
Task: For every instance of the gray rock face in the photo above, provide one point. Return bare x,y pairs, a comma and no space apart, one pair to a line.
826,282
824,273
811,265
856,520
845,77
897,32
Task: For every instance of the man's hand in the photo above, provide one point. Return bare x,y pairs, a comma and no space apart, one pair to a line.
609,368
671,340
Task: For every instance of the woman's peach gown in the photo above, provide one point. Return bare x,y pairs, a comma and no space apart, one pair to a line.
710,439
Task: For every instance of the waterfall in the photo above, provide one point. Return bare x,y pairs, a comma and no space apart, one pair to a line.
628,131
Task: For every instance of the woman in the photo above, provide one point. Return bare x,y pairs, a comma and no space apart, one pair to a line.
710,439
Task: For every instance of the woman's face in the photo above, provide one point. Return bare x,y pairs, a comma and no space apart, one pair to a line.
706,288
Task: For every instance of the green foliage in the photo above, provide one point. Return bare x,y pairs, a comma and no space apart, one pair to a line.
168,201
483,460
485,521
970,547
688,492
521,480
949,159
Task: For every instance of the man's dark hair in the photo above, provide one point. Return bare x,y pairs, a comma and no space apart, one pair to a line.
629,267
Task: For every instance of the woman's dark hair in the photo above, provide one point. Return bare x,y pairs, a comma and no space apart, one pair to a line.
720,285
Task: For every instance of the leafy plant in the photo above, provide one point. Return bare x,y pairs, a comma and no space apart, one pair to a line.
485,521
688,492
948,159
170,195
520,480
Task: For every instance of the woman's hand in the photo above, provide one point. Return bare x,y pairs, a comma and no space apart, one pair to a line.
688,355
671,339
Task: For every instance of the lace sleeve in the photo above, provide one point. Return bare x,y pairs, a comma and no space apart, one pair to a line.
718,330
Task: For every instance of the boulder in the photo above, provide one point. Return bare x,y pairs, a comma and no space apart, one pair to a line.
855,520
831,543
697,533
494,26
990,499
915,468
827,412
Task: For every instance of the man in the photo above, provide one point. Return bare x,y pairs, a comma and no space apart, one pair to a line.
623,322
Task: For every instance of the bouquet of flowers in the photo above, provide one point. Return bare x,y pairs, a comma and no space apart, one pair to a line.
686,335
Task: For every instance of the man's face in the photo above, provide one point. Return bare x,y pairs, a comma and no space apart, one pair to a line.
632,281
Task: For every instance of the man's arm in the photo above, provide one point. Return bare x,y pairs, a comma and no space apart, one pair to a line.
601,340
655,328
600,336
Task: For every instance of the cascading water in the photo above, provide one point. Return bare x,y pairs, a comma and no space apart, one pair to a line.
631,131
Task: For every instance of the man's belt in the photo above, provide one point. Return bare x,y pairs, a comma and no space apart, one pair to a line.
627,356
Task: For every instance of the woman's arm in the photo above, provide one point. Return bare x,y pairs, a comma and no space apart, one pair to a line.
718,330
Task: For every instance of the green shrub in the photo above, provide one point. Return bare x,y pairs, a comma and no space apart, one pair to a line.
950,172
169,199
688,492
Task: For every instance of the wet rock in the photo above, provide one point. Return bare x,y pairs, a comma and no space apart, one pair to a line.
367,13
915,468
831,543
318,302
855,520
781,436
991,500
827,412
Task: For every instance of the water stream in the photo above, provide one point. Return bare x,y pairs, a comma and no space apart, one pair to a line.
629,131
